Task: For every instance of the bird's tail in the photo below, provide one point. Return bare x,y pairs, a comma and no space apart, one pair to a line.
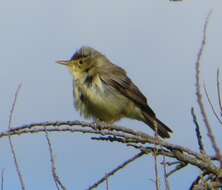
158,126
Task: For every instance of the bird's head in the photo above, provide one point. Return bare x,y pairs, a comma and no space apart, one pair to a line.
82,61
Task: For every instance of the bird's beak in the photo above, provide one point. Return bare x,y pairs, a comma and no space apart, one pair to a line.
63,62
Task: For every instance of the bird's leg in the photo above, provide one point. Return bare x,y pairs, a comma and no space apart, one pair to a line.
97,123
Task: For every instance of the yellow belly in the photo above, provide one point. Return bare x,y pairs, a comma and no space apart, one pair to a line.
103,103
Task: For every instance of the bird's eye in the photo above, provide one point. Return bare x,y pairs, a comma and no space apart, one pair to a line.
80,62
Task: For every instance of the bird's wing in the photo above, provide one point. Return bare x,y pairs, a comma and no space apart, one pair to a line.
118,79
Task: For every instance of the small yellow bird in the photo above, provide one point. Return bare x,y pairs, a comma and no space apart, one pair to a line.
103,91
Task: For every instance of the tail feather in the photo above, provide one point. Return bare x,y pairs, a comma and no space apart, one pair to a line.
158,126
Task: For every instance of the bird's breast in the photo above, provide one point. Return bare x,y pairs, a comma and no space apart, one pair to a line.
95,99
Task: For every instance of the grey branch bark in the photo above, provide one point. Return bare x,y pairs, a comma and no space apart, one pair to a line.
12,147
125,136
199,94
55,176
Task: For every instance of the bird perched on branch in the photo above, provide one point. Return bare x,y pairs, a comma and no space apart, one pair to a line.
103,91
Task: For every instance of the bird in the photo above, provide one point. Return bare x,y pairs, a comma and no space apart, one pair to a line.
103,91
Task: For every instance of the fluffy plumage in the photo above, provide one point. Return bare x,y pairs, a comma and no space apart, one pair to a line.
102,90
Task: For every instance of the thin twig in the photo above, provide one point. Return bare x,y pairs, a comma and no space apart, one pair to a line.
198,134
199,95
178,167
157,179
107,184
171,163
218,90
166,181
195,182
205,181
56,178
173,154
18,170
2,179
211,105
123,165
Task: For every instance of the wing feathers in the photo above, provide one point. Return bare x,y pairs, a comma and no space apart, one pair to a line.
118,79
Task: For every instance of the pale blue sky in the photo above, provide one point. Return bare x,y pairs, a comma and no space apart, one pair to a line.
156,41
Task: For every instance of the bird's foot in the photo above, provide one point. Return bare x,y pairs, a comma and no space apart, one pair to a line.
97,124
101,125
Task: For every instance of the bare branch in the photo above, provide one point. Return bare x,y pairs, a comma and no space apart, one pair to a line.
196,181
167,185
84,127
218,90
171,163
199,95
2,179
107,184
211,105
157,178
18,170
179,156
56,178
198,134
206,181
13,106
127,136
123,165
178,167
